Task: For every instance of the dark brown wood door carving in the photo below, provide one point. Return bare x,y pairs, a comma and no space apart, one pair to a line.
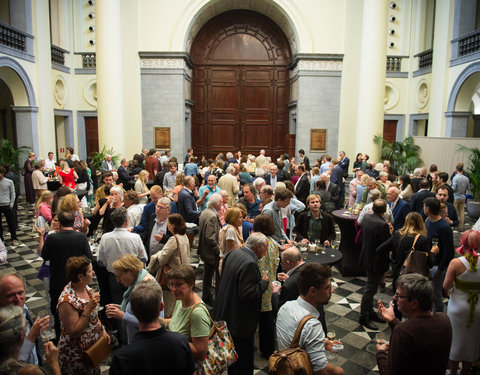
240,85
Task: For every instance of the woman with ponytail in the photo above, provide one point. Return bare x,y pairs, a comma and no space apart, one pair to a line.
464,308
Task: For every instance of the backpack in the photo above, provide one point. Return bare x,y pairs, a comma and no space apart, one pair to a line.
292,360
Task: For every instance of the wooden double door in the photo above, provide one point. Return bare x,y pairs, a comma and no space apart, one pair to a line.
240,86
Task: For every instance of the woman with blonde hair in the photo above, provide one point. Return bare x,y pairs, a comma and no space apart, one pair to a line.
230,236
141,186
67,175
360,187
464,306
43,206
70,202
130,272
179,180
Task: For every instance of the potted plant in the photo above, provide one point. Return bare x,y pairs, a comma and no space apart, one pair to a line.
99,156
10,155
404,156
473,154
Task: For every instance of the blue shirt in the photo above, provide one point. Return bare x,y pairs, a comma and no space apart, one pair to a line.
191,169
210,192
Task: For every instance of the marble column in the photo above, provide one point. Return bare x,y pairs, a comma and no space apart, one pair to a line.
111,124
371,90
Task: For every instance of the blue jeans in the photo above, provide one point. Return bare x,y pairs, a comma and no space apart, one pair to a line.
437,280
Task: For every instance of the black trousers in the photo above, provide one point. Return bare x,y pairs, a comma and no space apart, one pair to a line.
54,295
209,271
244,349
366,307
266,333
11,221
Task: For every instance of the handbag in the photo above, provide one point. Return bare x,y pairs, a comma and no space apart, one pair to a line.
416,262
97,352
163,275
221,349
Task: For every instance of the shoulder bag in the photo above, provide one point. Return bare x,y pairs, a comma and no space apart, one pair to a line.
163,275
416,262
97,352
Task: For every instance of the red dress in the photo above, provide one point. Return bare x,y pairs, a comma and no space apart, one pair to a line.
67,178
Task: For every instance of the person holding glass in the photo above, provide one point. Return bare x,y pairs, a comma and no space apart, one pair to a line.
78,311
313,225
190,316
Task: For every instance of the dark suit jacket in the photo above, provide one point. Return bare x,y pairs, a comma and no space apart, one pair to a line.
344,164
416,200
158,180
208,229
337,178
187,206
124,177
303,189
268,178
302,223
375,231
240,296
306,162
334,192
148,233
400,212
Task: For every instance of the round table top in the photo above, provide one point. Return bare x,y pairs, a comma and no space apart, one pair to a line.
331,256
344,214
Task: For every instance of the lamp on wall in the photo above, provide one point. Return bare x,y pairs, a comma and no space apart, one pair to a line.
393,5
392,18
391,45
391,31
92,42
91,2
91,15
91,28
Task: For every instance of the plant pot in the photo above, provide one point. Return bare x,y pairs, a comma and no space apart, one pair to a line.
473,208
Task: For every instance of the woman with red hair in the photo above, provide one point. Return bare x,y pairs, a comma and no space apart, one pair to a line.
464,307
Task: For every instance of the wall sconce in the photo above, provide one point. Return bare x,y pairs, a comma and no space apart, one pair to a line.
91,28
391,45
91,15
92,42
393,5
392,18
391,31
91,2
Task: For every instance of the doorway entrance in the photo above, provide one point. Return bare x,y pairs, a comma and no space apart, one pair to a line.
240,85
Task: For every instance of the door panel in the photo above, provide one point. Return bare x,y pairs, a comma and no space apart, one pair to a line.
91,134
390,130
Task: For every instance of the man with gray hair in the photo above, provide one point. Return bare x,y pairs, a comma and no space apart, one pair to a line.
124,178
400,208
231,185
187,201
240,296
115,244
420,345
171,349
157,232
208,247
107,164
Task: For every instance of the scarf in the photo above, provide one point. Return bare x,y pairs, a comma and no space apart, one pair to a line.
126,296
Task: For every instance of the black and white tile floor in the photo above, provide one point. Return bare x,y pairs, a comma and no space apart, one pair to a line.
342,313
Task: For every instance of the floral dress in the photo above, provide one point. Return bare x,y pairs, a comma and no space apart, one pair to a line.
71,349
269,265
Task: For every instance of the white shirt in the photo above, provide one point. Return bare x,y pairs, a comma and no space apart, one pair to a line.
49,164
28,352
117,243
135,214
158,228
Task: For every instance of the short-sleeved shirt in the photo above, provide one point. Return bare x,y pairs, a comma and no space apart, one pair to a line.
180,321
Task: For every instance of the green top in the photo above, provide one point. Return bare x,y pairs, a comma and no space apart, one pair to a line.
314,227
181,321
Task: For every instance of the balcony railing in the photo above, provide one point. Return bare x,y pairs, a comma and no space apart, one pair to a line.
469,44
425,59
12,37
58,55
394,63
89,61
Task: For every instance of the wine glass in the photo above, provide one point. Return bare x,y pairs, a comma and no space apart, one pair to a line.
434,241
317,246
332,245
381,338
294,237
331,336
304,251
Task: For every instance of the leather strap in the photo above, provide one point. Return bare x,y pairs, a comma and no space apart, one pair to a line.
178,249
298,332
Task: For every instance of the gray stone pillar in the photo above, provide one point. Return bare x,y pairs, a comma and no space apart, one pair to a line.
456,124
27,127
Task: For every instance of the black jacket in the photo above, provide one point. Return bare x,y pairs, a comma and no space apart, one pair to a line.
375,231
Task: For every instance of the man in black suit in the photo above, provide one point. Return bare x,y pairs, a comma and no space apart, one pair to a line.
273,177
400,208
124,178
416,200
337,179
187,202
375,232
304,159
344,163
240,296
302,187
158,180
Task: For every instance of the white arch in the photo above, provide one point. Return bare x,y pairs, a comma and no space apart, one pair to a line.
17,80
284,13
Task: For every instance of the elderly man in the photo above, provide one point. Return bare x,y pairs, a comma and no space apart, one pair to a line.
273,209
115,244
155,194
373,184
7,202
353,187
416,200
12,292
170,177
208,247
315,289
291,262
260,159
258,184
421,345
302,187
187,202
400,209
124,178
272,178
107,164
240,296
157,233
206,191
231,185
172,351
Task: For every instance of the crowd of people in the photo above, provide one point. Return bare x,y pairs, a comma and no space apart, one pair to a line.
250,214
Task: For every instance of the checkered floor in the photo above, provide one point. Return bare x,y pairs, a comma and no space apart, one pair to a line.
342,313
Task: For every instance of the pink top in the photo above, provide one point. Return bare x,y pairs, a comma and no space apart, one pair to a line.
67,178
45,211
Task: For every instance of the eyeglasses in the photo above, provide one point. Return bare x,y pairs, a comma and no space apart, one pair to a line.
396,295
175,285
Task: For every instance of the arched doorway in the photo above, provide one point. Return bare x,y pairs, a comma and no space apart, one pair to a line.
240,85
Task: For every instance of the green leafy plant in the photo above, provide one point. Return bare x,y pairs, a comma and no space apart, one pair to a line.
11,155
473,155
404,156
98,157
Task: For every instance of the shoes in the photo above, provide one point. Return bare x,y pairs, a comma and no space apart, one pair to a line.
376,318
14,242
368,323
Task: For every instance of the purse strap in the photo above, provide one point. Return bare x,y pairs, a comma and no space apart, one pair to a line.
178,249
214,328
298,332
411,251
415,241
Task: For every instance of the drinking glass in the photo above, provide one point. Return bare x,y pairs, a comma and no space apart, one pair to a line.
294,236
318,244
332,244
434,241
331,336
381,338
304,251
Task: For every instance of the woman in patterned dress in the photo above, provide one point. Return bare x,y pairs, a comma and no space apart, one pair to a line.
78,311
